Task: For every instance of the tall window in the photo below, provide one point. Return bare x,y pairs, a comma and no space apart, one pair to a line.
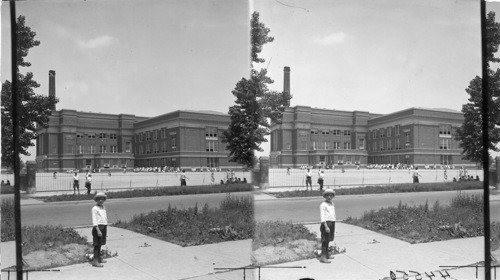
80,149
347,145
114,149
407,139
173,141
389,132
398,144
127,147
389,144
446,160
397,130
314,145
336,145
326,145
102,149
444,144
211,146
361,143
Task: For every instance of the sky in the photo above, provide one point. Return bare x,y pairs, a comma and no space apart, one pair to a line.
149,57
145,58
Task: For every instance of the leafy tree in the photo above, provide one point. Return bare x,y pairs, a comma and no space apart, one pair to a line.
254,104
470,133
34,110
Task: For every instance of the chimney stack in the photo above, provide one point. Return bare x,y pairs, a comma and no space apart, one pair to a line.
286,82
52,85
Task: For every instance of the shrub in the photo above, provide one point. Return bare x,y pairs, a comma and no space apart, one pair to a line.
415,224
232,220
7,213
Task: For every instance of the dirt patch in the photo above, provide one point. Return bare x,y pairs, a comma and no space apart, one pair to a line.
293,251
61,256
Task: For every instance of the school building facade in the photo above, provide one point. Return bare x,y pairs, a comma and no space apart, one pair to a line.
86,140
323,137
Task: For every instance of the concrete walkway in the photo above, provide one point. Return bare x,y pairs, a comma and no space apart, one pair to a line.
370,255
143,257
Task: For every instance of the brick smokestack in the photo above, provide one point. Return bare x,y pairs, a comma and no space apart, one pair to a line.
52,86
286,81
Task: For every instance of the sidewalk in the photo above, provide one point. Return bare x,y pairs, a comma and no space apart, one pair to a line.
142,257
370,255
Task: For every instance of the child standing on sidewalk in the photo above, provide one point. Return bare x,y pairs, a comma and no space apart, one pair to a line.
327,228
99,222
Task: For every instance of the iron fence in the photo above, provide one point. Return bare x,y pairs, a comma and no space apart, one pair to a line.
360,177
48,182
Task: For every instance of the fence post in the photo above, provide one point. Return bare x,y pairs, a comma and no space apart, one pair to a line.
264,172
30,177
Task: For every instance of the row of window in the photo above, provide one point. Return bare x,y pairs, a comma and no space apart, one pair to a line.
404,159
162,147
444,129
385,132
157,134
95,135
333,132
444,144
81,149
324,145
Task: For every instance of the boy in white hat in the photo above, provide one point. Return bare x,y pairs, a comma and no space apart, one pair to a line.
327,228
99,222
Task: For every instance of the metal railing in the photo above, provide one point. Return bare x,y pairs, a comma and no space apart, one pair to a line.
47,182
354,177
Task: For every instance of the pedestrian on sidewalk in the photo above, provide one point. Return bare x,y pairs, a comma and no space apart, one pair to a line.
76,183
308,179
327,228
183,178
321,178
99,229
88,182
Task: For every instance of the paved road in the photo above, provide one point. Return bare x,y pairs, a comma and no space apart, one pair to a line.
307,210
296,210
78,213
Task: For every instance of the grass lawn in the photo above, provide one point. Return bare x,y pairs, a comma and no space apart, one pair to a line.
396,188
44,246
426,223
232,220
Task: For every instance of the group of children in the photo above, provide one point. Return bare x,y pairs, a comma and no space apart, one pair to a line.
321,178
76,183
